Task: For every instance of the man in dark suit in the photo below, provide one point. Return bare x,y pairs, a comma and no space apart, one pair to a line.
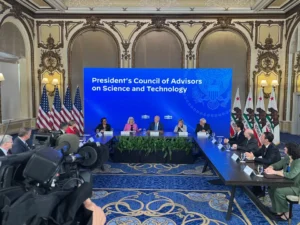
156,125
250,143
269,152
239,137
203,127
5,145
20,145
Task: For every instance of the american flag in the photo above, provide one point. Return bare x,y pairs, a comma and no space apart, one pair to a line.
77,112
56,111
44,114
66,111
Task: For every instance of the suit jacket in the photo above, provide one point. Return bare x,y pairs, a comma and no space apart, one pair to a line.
248,145
237,139
206,127
19,146
2,153
100,127
152,126
269,155
294,173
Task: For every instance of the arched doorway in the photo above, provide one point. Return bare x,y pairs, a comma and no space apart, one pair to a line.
14,64
91,49
158,49
226,49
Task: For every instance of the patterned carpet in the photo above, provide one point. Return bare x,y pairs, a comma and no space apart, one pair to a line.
167,194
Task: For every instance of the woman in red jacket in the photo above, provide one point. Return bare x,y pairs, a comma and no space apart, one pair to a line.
72,128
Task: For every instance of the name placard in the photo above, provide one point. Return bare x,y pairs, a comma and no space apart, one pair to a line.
98,144
248,170
91,139
235,157
154,133
108,133
213,141
220,146
125,133
183,134
80,144
201,134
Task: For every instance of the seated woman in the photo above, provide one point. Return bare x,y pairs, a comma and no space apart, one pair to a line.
289,167
103,126
72,128
131,125
180,127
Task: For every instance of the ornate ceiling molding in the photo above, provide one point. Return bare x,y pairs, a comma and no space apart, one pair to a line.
70,25
224,22
190,56
125,54
227,4
269,41
158,23
93,22
248,26
49,23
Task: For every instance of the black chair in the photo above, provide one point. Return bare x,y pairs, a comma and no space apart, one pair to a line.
292,199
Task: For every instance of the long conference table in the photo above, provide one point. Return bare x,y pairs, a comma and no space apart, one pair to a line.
230,172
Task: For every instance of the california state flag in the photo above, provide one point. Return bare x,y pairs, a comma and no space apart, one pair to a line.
273,118
260,120
248,115
236,112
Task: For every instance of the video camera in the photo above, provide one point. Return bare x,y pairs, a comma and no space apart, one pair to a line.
46,177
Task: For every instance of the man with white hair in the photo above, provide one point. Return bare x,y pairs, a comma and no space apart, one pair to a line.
5,145
202,126
249,145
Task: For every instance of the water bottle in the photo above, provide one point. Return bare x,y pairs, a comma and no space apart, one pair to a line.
144,131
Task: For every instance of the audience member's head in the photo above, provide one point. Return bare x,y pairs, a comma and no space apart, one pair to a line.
156,119
24,133
63,126
290,147
249,134
6,142
202,121
43,131
239,126
268,138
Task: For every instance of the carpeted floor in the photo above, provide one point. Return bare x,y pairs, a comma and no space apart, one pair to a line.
167,194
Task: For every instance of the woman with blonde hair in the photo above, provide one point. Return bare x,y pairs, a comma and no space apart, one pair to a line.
131,125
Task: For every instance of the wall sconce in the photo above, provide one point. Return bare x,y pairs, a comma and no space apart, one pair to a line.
54,84
1,79
264,83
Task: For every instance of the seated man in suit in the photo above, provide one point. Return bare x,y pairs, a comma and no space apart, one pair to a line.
5,145
239,137
156,125
20,145
269,152
203,127
250,144
103,126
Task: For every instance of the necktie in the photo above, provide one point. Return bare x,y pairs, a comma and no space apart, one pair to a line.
156,126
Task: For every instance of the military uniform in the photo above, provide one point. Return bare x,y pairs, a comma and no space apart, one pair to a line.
278,195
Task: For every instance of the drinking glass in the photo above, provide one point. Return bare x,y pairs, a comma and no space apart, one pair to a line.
260,170
243,157
220,140
227,147
213,135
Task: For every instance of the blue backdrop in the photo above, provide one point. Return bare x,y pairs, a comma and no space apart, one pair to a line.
172,94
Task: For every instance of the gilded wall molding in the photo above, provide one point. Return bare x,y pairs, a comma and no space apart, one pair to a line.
126,23
288,24
3,8
125,54
93,22
70,25
190,56
49,23
269,23
248,26
224,22
158,23
30,22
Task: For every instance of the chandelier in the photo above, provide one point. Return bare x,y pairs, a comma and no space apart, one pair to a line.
88,3
158,3
230,3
